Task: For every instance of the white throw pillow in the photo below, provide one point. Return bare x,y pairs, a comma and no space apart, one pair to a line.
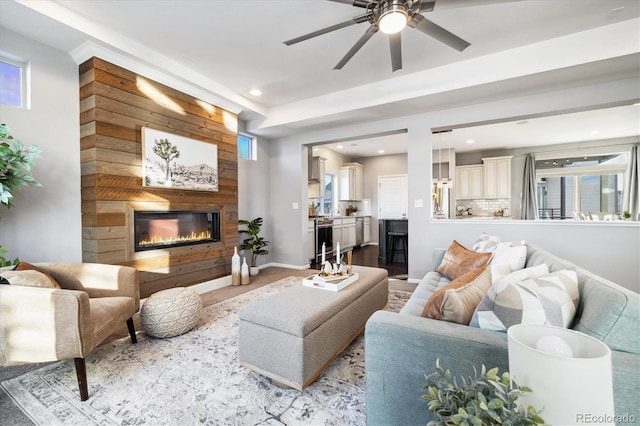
507,259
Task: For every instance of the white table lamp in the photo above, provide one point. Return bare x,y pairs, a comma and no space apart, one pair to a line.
569,373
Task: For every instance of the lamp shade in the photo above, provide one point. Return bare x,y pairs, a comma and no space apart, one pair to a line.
569,373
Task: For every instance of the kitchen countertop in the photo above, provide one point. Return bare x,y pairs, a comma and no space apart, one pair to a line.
481,217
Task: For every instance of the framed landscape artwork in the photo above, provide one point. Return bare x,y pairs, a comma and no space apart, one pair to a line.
176,162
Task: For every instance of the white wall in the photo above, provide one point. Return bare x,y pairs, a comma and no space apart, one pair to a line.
45,224
253,192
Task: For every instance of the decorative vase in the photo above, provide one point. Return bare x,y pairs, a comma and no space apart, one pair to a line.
244,273
254,270
235,267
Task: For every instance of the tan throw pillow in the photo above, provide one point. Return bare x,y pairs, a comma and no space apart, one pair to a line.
459,260
25,266
433,308
459,304
29,278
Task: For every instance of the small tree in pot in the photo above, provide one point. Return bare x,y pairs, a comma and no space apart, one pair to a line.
15,172
253,241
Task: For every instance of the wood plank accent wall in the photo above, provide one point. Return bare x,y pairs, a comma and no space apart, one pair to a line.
114,106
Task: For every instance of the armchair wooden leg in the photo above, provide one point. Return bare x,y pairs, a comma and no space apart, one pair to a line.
81,372
132,330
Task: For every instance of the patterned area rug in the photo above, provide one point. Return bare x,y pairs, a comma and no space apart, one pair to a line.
194,379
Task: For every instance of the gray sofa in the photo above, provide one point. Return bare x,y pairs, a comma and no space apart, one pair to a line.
400,348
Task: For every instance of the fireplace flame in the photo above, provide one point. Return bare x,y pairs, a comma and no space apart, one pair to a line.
158,241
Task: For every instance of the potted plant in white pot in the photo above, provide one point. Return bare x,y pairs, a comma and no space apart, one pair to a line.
15,172
487,398
253,242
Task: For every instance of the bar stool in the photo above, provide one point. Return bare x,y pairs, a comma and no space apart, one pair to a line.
393,240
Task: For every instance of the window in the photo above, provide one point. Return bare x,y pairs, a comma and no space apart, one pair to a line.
13,82
327,201
247,147
580,185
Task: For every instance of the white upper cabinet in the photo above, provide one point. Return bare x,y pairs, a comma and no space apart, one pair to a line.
351,182
469,182
497,177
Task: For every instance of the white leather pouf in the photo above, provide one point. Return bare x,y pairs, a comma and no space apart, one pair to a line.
171,312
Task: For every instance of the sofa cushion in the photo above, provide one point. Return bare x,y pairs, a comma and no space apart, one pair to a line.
29,278
458,260
431,282
434,307
550,299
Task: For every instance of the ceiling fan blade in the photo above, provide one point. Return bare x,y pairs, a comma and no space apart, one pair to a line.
396,51
356,3
451,4
427,6
352,21
365,38
431,29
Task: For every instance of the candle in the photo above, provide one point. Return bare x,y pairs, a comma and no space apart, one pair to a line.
323,254
338,253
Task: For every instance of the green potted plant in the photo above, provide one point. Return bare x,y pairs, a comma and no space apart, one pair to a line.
15,171
626,215
487,398
253,242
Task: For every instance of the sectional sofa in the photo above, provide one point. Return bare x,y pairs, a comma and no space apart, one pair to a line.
400,348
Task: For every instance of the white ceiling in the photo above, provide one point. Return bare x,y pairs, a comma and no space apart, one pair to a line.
226,48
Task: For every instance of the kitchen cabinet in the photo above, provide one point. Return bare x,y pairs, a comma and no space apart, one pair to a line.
351,182
497,177
469,182
344,232
367,230
348,233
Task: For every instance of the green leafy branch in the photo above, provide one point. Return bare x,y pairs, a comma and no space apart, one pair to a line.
15,165
487,398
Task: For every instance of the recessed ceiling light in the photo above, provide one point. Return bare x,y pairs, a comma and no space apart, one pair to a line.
594,132
381,151
470,141
316,149
255,92
522,122
339,147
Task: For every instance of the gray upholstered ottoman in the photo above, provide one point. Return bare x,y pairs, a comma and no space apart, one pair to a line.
292,336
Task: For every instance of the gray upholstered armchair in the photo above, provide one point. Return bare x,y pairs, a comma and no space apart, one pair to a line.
48,324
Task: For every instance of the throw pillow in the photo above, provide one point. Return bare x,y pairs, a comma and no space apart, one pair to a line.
507,259
458,261
25,266
29,278
549,299
432,309
459,304
486,243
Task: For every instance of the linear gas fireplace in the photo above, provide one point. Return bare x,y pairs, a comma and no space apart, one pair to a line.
163,229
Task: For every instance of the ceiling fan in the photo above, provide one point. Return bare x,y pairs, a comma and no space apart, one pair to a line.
390,17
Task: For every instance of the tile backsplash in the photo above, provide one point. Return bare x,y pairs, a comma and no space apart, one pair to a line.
485,207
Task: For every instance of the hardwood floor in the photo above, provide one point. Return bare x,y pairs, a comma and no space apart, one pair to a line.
368,256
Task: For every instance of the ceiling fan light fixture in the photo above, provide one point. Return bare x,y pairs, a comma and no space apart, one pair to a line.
393,17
